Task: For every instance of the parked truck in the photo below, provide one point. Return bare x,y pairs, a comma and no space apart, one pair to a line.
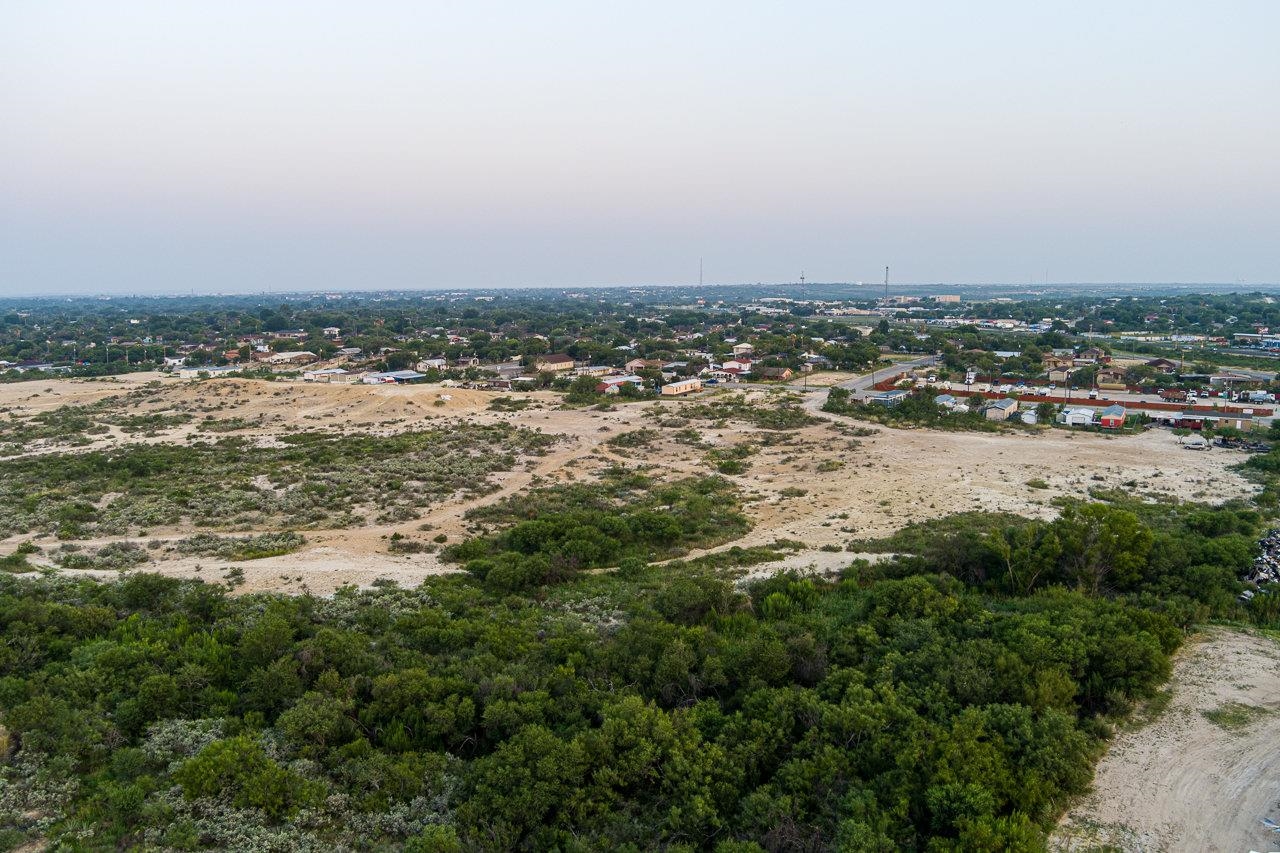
1260,397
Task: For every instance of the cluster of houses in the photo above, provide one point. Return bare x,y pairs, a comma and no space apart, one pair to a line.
1007,409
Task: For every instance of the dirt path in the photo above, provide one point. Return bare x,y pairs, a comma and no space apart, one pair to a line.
1184,782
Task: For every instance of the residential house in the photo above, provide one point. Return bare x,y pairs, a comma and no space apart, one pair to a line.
194,372
1076,417
1112,417
775,373
1061,374
1050,361
1093,355
1163,365
889,399
612,384
1112,378
292,358
556,363
327,374
396,377
593,370
507,370
643,364
723,374
682,386
437,363
742,365
1214,420
743,349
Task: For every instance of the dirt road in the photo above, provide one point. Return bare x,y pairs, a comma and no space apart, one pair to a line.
1205,773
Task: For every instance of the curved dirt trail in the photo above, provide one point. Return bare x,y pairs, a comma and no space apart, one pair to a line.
1184,782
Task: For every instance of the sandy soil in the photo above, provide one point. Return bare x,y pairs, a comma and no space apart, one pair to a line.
818,487
1182,782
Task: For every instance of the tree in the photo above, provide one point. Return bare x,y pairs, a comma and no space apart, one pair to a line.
400,360
1102,547
1029,552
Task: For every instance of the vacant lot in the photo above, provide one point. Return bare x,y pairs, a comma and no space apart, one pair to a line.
1202,774
823,483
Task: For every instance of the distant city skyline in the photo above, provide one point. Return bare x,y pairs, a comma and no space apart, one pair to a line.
162,148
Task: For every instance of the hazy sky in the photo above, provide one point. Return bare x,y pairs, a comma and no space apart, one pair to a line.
224,145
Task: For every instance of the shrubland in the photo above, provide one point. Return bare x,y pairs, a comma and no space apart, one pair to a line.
550,534
954,697
300,480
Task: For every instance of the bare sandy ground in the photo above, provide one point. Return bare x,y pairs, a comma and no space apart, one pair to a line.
818,486
1182,782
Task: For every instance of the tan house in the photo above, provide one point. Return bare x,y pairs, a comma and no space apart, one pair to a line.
778,373
1000,410
682,386
1112,379
1095,354
1049,361
291,358
643,364
553,363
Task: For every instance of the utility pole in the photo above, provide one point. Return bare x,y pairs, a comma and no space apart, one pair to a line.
886,285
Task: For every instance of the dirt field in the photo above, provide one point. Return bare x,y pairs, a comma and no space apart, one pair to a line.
816,486
1184,782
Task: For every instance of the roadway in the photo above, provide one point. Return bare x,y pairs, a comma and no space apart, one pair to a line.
860,386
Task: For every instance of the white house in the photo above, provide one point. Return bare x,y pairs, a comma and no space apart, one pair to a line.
742,365
743,349
208,370
327,374
1076,417
723,374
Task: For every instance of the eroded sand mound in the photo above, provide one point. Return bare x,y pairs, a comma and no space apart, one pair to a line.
1205,773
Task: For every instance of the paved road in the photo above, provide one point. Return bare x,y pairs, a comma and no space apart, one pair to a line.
861,385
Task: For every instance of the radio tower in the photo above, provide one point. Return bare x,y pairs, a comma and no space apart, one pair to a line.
886,285
802,278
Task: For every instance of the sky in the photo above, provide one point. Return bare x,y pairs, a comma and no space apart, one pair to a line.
285,145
